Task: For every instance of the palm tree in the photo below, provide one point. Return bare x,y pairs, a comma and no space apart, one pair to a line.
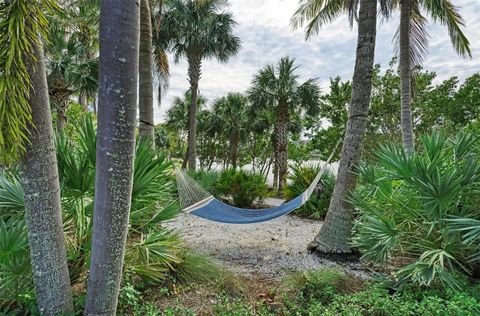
335,232
178,117
27,134
145,88
231,113
413,43
72,68
196,30
278,87
161,65
83,17
119,43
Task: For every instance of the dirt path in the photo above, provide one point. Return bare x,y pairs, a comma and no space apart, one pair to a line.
271,249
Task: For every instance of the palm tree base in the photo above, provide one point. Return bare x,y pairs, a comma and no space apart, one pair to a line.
334,253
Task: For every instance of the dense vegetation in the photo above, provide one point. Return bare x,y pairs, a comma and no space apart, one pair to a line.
83,205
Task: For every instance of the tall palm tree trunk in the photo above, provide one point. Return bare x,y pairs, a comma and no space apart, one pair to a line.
194,72
145,89
282,144
405,76
335,232
42,200
117,109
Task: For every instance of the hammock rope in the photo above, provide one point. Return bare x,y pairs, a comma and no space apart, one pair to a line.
198,201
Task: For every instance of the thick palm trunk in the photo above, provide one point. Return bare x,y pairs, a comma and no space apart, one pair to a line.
336,230
42,201
405,76
233,149
145,89
282,144
117,109
194,72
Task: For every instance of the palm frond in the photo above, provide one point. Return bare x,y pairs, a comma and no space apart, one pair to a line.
22,25
316,13
11,192
445,12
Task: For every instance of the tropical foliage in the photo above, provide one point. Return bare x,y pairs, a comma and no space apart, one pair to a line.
300,178
152,250
197,30
278,88
16,41
238,187
419,212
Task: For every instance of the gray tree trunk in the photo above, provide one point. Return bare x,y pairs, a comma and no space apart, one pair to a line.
335,233
194,72
405,76
117,109
282,144
145,89
43,215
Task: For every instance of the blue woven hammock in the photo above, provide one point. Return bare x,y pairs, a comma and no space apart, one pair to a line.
197,201
218,211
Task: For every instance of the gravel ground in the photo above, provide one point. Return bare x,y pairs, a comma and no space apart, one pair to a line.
270,249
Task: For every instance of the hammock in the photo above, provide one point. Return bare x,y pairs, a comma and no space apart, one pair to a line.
197,201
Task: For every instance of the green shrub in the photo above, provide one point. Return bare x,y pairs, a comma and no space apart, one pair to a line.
300,179
241,186
378,301
207,179
318,285
421,211
196,267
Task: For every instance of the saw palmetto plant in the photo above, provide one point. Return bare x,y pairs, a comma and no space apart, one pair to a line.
152,250
421,210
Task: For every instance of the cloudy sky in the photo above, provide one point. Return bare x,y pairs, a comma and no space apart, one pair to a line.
263,27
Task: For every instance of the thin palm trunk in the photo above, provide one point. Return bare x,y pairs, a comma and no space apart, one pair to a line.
405,76
194,72
185,159
145,89
61,118
94,104
282,144
83,101
275,174
119,43
234,149
42,200
335,232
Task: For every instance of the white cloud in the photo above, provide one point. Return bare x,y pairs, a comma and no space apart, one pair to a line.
263,27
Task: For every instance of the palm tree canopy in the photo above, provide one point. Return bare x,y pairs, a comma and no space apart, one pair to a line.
177,114
231,111
274,84
197,28
316,13
71,51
